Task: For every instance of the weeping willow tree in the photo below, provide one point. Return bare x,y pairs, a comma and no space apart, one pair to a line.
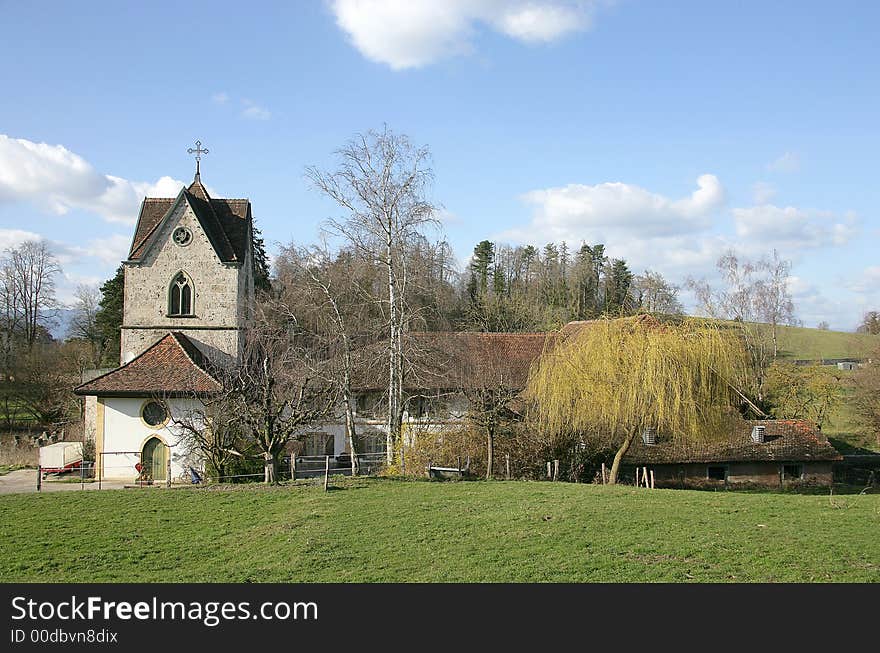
613,378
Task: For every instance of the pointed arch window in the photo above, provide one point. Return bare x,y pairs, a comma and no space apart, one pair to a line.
180,296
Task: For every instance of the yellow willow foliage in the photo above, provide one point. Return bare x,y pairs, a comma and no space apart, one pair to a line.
621,375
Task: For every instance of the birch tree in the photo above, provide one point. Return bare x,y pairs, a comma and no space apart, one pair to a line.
380,183
755,295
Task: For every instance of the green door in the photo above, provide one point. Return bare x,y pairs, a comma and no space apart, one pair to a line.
154,459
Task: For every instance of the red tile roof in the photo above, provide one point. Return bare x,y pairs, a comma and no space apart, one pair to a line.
784,440
451,360
173,366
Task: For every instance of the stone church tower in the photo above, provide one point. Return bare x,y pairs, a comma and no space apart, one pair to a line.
189,293
190,270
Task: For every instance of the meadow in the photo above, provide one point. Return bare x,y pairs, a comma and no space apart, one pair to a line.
386,530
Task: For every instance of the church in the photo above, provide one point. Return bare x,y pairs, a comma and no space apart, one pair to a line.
189,292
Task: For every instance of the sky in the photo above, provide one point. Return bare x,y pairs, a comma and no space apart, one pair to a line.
669,131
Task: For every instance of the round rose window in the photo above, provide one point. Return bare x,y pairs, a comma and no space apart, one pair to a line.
154,413
182,236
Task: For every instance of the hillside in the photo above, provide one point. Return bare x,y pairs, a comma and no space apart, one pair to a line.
382,530
803,343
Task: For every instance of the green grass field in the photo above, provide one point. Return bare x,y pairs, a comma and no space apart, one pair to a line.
813,344
390,530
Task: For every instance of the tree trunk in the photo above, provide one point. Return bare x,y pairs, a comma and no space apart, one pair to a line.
351,433
393,334
490,452
269,468
621,452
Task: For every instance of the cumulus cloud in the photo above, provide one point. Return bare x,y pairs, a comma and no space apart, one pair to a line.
598,213
10,238
110,250
787,162
790,228
58,180
220,98
414,33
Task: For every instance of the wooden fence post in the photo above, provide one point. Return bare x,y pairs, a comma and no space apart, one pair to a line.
652,479
39,478
326,472
603,474
556,469
549,473
292,466
507,465
168,474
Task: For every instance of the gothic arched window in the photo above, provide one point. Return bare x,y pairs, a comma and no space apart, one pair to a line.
180,296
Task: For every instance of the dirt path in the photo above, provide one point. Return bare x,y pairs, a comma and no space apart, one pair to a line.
25,480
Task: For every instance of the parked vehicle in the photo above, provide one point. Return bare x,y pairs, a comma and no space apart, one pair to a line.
60,457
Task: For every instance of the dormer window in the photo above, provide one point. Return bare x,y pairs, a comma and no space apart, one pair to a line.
180,296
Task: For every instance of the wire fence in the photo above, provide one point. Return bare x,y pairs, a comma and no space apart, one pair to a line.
133,474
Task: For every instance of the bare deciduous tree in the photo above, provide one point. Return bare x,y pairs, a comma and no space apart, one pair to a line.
83,325
381,182
28,289
327,293
655,294
277,389
755,294
210,429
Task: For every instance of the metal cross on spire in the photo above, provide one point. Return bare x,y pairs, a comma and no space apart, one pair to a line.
198,151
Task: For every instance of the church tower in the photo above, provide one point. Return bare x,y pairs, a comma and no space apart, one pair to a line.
189,292
190,270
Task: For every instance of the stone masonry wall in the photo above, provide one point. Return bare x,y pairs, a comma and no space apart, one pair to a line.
218,300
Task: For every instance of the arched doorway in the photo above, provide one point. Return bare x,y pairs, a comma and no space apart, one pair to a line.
154,459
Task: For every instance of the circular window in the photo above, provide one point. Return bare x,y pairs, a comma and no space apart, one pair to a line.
154,413
182,236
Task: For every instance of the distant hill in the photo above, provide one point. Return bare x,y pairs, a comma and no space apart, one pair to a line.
801,343
60,326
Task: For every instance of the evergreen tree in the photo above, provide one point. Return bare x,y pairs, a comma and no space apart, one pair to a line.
618,284
481,265
108,319
261,263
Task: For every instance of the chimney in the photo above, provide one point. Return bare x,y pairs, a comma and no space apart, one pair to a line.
758,434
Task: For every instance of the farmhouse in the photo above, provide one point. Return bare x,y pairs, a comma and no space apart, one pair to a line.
766,453
188,297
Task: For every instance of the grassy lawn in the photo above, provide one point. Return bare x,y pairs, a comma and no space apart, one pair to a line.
391,530
813,344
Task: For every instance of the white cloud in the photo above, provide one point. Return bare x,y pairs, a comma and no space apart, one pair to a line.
57,180
110,250
414,33
598,213
787,162
763,192
253,111
10,238
220,98
790,228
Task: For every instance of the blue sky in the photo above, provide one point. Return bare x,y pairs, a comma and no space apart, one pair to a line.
670,131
